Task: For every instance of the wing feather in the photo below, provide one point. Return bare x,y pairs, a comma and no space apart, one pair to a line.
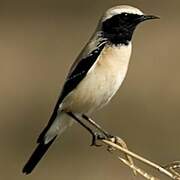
77,73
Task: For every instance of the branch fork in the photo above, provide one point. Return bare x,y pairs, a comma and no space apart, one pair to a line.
117,144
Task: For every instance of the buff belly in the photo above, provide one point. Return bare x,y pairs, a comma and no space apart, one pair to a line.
101,82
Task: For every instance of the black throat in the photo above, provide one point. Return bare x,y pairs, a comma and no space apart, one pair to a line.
119,28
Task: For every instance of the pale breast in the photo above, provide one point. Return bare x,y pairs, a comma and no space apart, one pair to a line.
101,82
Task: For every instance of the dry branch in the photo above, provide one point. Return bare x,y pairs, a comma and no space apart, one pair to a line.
118,144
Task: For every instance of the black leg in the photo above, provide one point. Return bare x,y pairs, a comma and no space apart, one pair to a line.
95,135
97,126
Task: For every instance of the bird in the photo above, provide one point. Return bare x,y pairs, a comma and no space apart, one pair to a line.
93,78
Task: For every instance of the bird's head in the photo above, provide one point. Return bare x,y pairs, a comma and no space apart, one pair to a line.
118,23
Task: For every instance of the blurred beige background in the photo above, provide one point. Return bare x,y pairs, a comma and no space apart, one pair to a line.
38,42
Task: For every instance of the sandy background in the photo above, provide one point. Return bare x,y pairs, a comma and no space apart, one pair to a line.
38,42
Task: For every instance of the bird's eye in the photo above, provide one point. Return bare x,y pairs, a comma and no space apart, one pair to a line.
125,14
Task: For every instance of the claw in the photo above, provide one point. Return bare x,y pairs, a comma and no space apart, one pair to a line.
97,136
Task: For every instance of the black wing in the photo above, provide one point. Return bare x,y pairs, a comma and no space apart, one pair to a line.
79,72
73,79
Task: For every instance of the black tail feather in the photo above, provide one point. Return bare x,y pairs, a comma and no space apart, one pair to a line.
36,156
52,119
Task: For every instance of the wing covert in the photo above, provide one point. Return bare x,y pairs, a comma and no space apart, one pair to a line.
76,75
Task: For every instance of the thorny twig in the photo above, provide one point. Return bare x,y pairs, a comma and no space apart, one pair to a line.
169,170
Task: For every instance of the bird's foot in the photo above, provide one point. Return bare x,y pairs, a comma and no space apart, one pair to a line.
99,136
95,137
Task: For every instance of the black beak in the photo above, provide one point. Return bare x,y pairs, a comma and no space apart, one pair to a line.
147,17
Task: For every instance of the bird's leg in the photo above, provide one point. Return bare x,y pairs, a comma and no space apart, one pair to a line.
115,139
95,135
97,126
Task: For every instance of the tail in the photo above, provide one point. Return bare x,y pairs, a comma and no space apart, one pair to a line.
46,138
36,156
